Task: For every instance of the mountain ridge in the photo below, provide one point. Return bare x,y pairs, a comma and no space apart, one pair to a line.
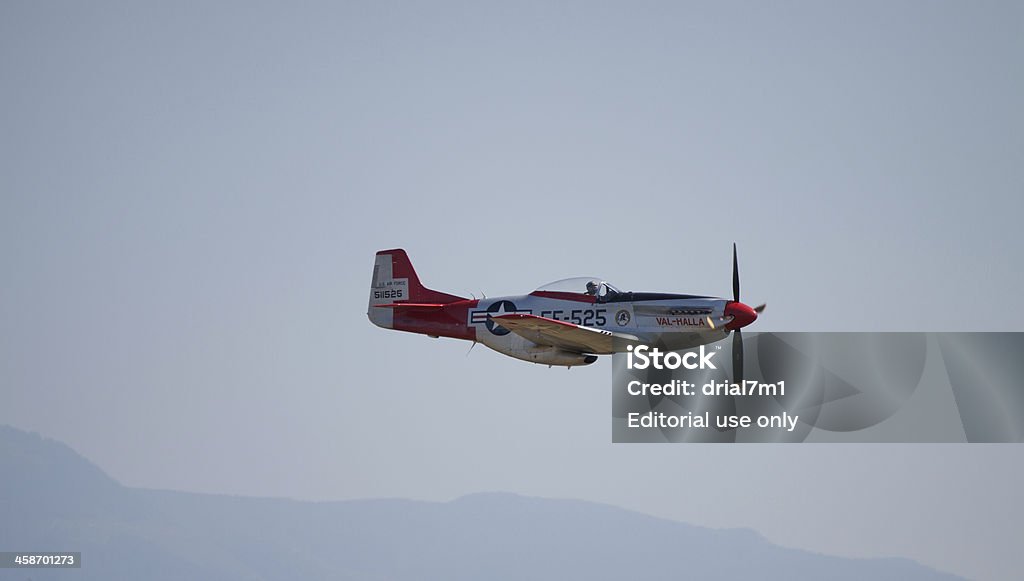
52,498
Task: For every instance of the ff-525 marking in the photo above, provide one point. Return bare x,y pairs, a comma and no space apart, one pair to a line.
568,322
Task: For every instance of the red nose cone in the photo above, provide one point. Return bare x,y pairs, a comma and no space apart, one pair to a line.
741,314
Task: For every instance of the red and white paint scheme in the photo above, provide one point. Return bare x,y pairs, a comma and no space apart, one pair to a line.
569,322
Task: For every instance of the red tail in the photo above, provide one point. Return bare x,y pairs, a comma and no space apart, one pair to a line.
401,268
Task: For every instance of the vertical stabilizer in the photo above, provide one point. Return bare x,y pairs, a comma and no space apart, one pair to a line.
395,282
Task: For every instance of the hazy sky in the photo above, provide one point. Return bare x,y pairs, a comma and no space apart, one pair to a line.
192,194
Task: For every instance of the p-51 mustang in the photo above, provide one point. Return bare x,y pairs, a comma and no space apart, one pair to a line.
569,322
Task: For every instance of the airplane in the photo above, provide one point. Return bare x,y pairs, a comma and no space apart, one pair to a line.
566,323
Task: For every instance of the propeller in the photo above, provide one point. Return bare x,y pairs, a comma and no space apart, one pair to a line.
736,316
737,356
742,315
735,275
737,335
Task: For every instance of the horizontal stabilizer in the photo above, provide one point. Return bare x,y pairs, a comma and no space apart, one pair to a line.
416,306
396,290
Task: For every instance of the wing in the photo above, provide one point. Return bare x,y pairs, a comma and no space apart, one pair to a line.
414,306
568,336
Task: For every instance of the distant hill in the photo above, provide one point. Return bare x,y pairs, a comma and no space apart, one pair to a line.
53,499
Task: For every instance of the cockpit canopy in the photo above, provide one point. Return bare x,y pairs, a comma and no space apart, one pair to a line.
594,286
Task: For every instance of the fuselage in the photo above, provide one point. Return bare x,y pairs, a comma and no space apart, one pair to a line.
672,321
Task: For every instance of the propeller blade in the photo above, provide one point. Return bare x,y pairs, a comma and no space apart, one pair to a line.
735,275
737,356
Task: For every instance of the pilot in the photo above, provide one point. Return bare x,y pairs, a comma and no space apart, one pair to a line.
592,288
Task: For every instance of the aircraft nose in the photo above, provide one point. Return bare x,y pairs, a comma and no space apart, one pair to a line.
742,315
